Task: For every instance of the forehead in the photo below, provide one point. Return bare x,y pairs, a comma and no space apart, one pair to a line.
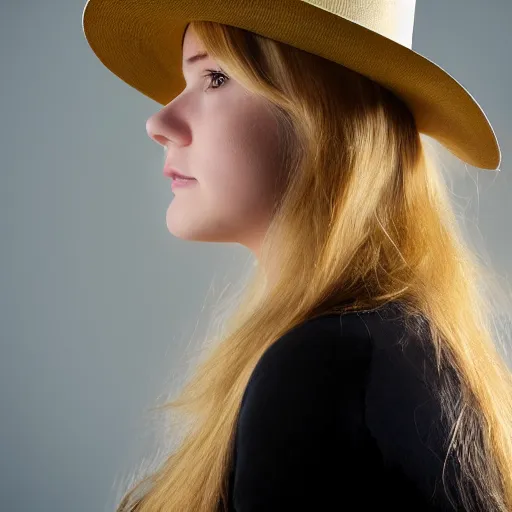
191,45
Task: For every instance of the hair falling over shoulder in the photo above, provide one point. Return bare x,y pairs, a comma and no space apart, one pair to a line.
365,218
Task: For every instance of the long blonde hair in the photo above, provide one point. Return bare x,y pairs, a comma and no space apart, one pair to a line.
365,218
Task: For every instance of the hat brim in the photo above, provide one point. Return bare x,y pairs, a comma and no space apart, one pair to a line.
140,42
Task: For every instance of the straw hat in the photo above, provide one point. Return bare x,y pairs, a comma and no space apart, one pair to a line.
140,42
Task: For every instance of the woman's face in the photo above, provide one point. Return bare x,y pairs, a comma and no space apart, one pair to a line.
227,139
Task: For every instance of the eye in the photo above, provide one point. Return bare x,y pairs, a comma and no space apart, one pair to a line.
215,75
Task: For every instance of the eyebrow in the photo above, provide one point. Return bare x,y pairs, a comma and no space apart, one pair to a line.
195,58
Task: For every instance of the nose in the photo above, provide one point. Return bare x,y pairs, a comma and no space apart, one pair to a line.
168,125
156,129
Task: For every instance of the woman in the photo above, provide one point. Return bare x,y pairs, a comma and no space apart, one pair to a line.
359,370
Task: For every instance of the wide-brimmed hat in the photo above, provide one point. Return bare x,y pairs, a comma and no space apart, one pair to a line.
140,41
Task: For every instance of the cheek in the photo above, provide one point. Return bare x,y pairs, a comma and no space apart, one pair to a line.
243,194
240,155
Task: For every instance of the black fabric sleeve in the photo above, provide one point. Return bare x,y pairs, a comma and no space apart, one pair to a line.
330,423
287,450
403,415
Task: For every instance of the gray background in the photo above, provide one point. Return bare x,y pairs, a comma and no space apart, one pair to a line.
99,301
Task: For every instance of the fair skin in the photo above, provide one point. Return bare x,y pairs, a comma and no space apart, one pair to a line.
227,138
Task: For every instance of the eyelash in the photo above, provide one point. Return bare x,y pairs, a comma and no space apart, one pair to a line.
213,73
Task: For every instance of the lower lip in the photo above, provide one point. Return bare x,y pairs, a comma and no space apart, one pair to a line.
182,183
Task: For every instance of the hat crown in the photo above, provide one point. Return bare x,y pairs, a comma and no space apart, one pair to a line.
393,19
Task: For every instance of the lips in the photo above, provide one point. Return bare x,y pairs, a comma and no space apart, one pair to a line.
182,178
170,172
176,176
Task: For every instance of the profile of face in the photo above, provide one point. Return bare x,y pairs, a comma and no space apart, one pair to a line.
225,137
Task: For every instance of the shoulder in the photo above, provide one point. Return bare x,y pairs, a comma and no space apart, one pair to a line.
353,374
325,344
309,355
359,382
288,424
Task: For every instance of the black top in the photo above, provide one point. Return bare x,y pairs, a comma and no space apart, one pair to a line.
337,415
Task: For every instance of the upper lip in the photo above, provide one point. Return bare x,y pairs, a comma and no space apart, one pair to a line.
171,172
